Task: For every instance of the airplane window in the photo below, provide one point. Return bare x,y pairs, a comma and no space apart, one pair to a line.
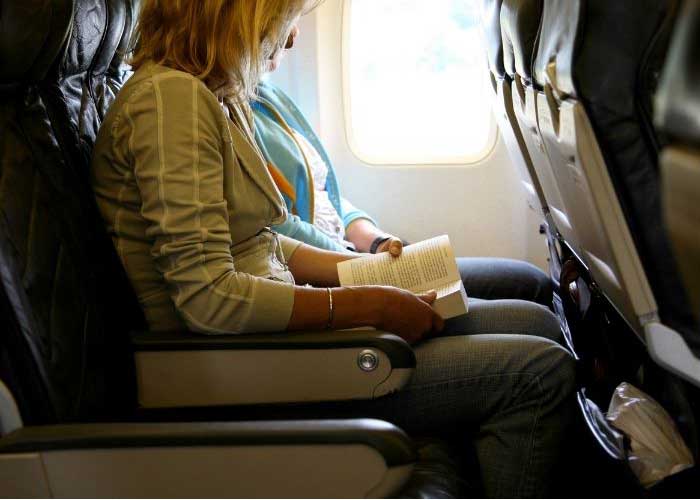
415,84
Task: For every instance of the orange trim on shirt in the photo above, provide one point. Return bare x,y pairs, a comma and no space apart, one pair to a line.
283,184
309,172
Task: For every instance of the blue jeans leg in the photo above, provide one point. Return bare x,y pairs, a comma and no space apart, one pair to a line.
496,278
515,317
510,396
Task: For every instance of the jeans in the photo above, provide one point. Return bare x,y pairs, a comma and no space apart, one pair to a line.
495,278
496,379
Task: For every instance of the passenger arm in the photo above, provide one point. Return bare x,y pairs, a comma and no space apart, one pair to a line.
295,227
317,267
361,230
179,173
362,233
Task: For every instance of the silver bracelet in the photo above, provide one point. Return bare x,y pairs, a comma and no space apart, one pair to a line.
329,326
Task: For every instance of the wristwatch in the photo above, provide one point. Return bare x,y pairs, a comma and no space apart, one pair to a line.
378,241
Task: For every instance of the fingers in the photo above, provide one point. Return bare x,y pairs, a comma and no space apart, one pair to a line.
433,328
428,297
411,320
437,323
395,247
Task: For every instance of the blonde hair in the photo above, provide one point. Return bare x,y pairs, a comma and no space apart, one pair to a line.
225,43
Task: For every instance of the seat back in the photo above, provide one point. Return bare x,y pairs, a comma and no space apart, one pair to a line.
596,67
520,23
66,303
678,115
503,104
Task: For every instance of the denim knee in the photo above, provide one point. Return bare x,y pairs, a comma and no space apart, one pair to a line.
537,282
548,323
555,367
519,317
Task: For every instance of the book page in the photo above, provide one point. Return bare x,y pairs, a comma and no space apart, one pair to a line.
422,266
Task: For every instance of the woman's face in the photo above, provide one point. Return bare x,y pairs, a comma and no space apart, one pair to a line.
274,61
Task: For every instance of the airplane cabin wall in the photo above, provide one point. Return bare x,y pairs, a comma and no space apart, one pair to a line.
481,206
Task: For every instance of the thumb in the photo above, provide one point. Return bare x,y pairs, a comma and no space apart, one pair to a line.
395,247
428,297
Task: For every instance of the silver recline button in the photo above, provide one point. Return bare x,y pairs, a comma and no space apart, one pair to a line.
368,360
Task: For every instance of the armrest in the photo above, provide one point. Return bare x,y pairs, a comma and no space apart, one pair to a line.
327,458
183,369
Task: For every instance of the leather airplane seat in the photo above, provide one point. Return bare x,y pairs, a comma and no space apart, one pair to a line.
58,79
597,65
69,390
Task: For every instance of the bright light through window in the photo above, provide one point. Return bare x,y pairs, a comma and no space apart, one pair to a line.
415,84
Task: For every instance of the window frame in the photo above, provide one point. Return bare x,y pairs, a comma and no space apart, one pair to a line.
369,159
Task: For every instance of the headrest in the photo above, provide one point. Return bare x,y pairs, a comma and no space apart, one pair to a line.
73,36
556,45
579,38
32,33
490,17
99,27
520,23
678,100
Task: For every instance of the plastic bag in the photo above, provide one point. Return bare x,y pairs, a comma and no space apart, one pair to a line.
656,450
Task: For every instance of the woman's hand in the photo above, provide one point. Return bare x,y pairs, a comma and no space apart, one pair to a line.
362,233
384,307
408,315
393,245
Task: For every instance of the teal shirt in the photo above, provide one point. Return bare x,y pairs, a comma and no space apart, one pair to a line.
273,112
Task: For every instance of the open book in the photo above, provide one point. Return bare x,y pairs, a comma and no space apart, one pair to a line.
428,265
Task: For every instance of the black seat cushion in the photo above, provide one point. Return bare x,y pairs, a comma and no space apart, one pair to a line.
68,301
39,28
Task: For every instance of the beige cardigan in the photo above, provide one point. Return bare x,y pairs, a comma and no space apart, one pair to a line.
188,201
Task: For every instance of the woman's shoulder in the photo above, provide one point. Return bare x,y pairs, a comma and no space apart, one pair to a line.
155,90
157,95
166,84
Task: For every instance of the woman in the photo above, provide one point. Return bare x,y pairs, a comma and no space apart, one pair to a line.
189,201
322,217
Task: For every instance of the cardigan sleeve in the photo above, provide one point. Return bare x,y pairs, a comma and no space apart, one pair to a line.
176,141
350,213
301,230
